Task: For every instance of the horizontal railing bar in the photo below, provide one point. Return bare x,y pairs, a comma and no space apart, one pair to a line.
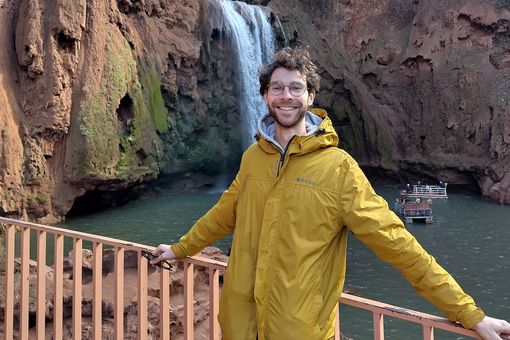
405,314
205,262
76,234
106,240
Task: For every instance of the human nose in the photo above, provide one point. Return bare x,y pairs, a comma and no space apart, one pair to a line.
286,92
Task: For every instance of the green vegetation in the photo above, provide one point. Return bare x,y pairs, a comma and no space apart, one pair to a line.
152,92
99,119
201,144
123,144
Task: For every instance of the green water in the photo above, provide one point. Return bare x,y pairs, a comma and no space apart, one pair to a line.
469,237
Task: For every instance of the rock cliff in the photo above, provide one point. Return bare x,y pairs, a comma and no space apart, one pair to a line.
417,89
99,97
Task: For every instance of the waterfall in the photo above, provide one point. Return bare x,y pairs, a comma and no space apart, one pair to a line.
249,31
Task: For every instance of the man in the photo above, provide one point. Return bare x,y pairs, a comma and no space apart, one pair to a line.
290,208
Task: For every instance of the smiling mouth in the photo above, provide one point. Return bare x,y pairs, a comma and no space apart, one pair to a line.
286,108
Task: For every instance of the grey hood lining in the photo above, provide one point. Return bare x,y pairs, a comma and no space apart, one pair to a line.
267,127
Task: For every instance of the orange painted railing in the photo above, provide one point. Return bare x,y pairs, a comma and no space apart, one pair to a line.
17,289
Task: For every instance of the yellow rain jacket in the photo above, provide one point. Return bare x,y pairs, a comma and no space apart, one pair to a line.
290,212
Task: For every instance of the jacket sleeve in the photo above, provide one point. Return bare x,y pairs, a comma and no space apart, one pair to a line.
217,223
371,221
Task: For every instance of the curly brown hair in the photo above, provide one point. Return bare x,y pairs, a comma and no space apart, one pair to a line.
291,59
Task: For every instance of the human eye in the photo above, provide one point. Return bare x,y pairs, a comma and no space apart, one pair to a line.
276,87
297,87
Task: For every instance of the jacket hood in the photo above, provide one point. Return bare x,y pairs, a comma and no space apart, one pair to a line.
319,133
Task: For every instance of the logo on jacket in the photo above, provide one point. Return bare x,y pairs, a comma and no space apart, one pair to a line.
306,181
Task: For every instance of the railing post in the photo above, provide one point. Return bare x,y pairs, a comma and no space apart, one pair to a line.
214,297
188,301
378,320
142,297
58,310
9,283
164,304
41,284
25,282
119,294
77,287
428,332
97,301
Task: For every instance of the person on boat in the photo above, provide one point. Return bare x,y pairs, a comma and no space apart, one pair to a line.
290,208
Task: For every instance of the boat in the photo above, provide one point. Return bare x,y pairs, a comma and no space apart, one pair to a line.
425,191
411,210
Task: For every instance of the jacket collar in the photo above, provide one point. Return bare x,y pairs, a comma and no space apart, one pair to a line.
320,134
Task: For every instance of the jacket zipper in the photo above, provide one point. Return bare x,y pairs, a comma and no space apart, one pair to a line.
282,156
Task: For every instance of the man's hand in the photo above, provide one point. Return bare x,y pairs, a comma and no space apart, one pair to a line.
492,329
163,252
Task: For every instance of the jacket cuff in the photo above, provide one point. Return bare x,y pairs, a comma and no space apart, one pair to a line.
178,251
471,318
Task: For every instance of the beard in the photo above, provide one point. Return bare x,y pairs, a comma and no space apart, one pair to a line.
287,124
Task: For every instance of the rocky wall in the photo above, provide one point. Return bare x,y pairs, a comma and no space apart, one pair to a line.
103,96
418,90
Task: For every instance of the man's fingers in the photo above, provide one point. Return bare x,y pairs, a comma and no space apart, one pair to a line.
161,249
158,259
505,330
158,251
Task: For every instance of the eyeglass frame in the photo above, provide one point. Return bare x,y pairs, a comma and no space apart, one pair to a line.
162,264
305,88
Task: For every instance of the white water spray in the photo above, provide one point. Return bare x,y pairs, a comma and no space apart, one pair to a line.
249,30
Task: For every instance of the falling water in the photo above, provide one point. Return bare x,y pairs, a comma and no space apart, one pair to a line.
249,30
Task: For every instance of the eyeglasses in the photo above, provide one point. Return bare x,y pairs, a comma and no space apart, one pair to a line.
296,89
162,264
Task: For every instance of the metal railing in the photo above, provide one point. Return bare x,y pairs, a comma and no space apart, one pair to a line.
413,209
18,289
426,191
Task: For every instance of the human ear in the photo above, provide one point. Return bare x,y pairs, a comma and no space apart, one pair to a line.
265,97
311,97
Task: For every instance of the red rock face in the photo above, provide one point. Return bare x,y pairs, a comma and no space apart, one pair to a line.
79,94
416,89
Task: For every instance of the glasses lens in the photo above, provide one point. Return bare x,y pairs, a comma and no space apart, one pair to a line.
295,89
276,89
